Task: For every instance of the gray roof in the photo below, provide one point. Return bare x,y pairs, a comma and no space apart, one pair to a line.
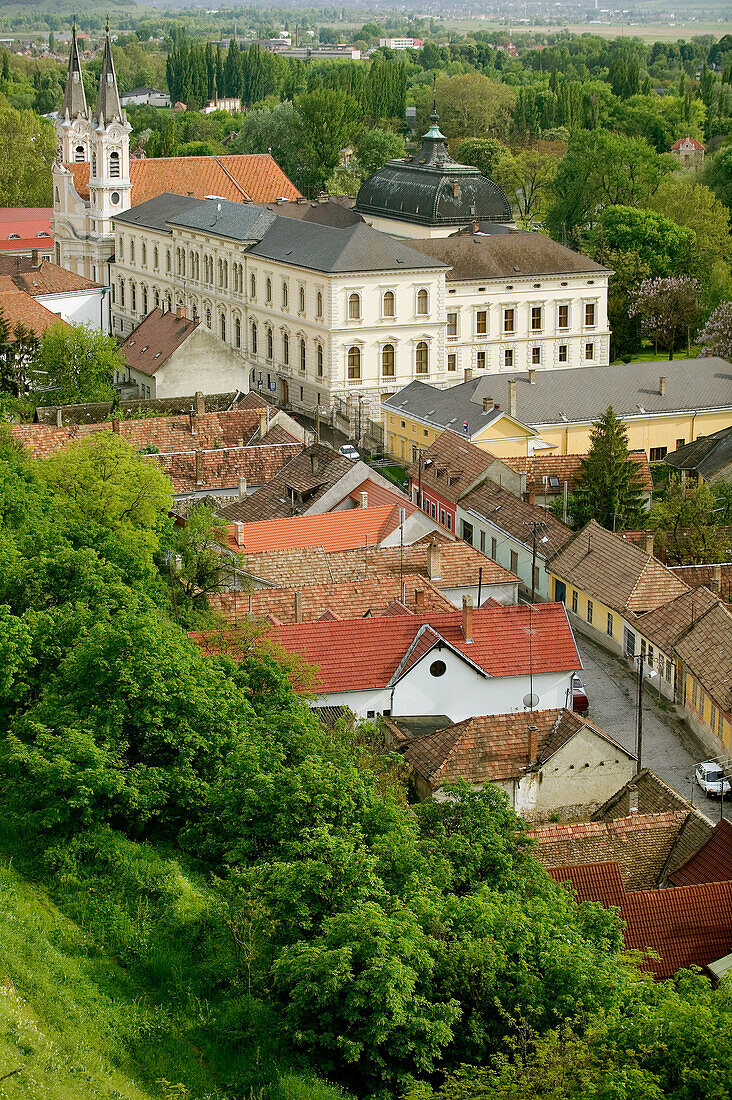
508,255
238,221
157,212
707,455
355,248
578,395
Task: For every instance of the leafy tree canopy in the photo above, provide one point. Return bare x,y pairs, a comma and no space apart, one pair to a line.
608,488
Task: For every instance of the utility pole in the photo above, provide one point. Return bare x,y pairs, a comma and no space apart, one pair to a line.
639,719
533,564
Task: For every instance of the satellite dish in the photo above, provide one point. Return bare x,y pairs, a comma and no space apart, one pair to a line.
531,700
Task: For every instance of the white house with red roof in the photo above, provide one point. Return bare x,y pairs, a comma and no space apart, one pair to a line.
689,151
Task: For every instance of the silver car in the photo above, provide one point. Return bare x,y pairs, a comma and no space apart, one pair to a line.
709,775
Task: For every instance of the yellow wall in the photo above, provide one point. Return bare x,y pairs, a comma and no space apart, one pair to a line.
661,431
398,440
600,611
703,709
503,439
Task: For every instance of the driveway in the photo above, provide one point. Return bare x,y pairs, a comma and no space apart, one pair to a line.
670,748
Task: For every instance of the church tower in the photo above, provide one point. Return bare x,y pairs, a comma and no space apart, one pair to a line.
72,126
110,189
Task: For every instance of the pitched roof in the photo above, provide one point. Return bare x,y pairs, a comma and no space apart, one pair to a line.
618,573
640,845
222,218
691,141
567,468
242,177
706,649
450,465
575,395
296,488
343,599
20,308
331,530
221,468
90,412
601,882
709,576
712,863
25,227
517,517
474,256
706,456
151,344
666,624
493,747
362,654
49,278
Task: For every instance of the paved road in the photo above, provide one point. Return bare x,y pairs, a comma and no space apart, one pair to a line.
670,748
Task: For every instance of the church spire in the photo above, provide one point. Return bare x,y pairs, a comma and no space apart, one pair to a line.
108,107
74,104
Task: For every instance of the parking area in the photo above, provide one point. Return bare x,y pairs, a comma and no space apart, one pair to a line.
669,747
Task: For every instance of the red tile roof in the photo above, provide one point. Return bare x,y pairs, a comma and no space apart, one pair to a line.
567,468
593,882
17,307
151,344
362,654
201,470
712,863
692,141
21,227
47,278
332,530
245,177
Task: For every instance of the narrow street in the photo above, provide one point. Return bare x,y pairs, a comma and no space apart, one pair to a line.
669,747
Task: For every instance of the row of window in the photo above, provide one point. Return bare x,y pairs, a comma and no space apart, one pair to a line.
698,699
509,357
510,319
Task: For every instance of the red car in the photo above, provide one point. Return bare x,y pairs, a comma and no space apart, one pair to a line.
580,702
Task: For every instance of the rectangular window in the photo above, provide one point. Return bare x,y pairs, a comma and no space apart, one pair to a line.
657,454
536,357
650,655
713,718
563,317
661,665
680,443
452,362
536,318
589,313
514,561
509,318
589,351
442,516
669,669
481,322
482,542
575,600
449,522
563,356
480,361
609,624
494,548
694,693
468,532
643,649
452,324
536,576
508,358
434,511
590,609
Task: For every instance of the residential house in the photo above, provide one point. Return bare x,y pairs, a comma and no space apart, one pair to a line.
25,230
68,296
549,762
711,863
20,308
705,652
478,661
689,152
144,97
170,354
708,458
607,583
521,414
550,476
717,578
360,527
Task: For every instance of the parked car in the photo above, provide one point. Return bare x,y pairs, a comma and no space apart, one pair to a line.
709,775
349,451
580,702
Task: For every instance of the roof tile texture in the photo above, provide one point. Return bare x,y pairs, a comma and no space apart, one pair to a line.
450,465
295,488
712,863
155,339
330,530
567,468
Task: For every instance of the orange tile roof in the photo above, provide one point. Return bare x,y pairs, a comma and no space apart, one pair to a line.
20,308
330,530
712,863
245,177
21,227
567,468
150,345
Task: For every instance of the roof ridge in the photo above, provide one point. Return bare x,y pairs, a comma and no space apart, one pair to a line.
410,649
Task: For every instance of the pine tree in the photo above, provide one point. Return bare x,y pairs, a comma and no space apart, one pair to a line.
609,484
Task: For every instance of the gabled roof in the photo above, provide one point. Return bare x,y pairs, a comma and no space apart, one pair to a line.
46,278
197,470
505,256
566,468
494,747
616,572
705,456
706,649
444,408
640,845
517,517
151,344
709,576
19,308
666,624
330,530
687,140
222,218
712,863
295,488
450,465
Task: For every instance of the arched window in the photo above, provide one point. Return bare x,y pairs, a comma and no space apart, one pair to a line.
252,286
422,302
167,260
422,358
157,298
270,344
354,307
222,321
268,289
114,169
221,272
208,318
319,354
94,164
132,250
387,361
285,349
169,302
226,274
354,364
182,262
79,154
133,296
194,313
302,299
156,257
57,197
254,338
122,292
285,295
302,354
144,255
237,332
388,303
320,304
144,300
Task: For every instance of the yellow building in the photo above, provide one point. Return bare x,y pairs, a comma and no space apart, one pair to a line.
663,406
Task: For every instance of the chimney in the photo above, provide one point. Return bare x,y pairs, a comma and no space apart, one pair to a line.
314,463
531,495
532,376
298,607
419,597
487,404
468,618
199,467
115,425
364,500
242,486
263,424
181,313
200,404
59,418
533,745
633,800
35,258
193,422
512,398
648,542
715,582
239,533
662,385
433,560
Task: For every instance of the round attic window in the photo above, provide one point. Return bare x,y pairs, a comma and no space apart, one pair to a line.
438,668
115,197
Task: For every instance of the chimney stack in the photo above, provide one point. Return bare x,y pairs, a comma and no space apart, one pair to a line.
364,500
239,533
533,745
200,404
35,258
468,373
468,618
433,560
662,385
242,486
633,800
715,582
298,607
59,418
512,398
115,425
314,463
648,542
181,313
487,404
419,597
263,424
193,422
532,376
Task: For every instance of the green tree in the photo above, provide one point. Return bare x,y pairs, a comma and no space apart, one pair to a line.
527,177
718,175
375,147
608,488
686,526
198,544
327,121
78,362
483,153
27,149
695,207
471,105
663,247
